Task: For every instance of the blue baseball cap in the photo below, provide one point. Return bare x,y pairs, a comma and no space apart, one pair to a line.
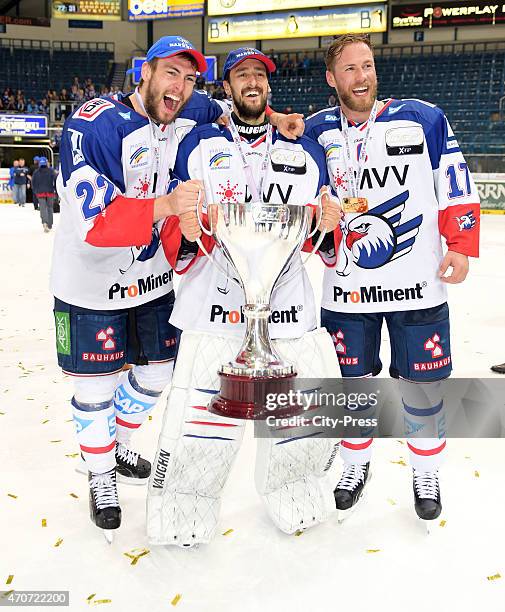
167,46
36,158
237,56
42,161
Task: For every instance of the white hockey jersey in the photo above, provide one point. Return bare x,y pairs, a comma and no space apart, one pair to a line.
206,299
114,163
418,187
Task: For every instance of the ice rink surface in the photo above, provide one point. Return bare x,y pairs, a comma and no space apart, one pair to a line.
379,559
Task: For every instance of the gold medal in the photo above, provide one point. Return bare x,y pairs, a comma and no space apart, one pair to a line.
355,205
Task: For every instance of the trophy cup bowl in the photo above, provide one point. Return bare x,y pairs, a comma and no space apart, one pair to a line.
259,241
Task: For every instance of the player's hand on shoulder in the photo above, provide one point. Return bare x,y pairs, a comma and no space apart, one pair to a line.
332,210
459,264
290,126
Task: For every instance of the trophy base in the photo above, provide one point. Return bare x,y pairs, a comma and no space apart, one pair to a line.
242,397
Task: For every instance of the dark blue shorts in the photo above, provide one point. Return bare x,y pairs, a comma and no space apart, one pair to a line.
90,342
420,342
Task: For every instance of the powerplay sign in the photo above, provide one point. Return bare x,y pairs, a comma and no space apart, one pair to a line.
448,14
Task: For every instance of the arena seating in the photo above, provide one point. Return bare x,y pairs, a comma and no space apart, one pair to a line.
468,86
35,70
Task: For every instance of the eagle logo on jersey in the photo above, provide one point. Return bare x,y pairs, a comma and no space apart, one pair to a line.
377,237
466,221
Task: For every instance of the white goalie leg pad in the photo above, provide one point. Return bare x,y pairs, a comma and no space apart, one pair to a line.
292,474
196,449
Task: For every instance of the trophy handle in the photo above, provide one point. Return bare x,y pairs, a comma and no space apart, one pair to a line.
204,250
200,222
320,207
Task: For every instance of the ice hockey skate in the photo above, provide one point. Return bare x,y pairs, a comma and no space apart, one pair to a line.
104,503
427,500
350,488
131,468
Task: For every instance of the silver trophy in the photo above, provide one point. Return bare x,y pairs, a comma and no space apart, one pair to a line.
259,241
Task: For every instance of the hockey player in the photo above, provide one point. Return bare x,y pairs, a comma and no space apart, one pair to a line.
404,183
196,448
113,290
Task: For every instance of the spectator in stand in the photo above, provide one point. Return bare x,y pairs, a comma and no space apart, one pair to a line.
32,106
11,103
76,83
304,64
80,95
219,93
288,110
332,100
74,92
311,109
5,97
44,185
33,169
200,82
21,104
44,106
20,176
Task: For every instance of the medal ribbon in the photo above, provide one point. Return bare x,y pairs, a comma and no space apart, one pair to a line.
255,188
355,180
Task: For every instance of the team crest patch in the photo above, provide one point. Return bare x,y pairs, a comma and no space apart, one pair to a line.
139,155
89,111
466,222
333,151
220,161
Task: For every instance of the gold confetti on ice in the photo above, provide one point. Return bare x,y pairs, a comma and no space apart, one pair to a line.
58,542
12,495
399,462
392,502
90,598
443,523
46,421
136,554
150,418
494,577
2,413
6,594
467,457
101,601
476,474
400,442
72,455
54,441
373,550
228,531
44,522
74,495
10,578
298,532
176,599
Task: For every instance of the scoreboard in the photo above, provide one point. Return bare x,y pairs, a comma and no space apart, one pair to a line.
106,10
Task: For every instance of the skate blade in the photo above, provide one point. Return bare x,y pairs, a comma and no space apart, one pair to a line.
81,468
108,534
